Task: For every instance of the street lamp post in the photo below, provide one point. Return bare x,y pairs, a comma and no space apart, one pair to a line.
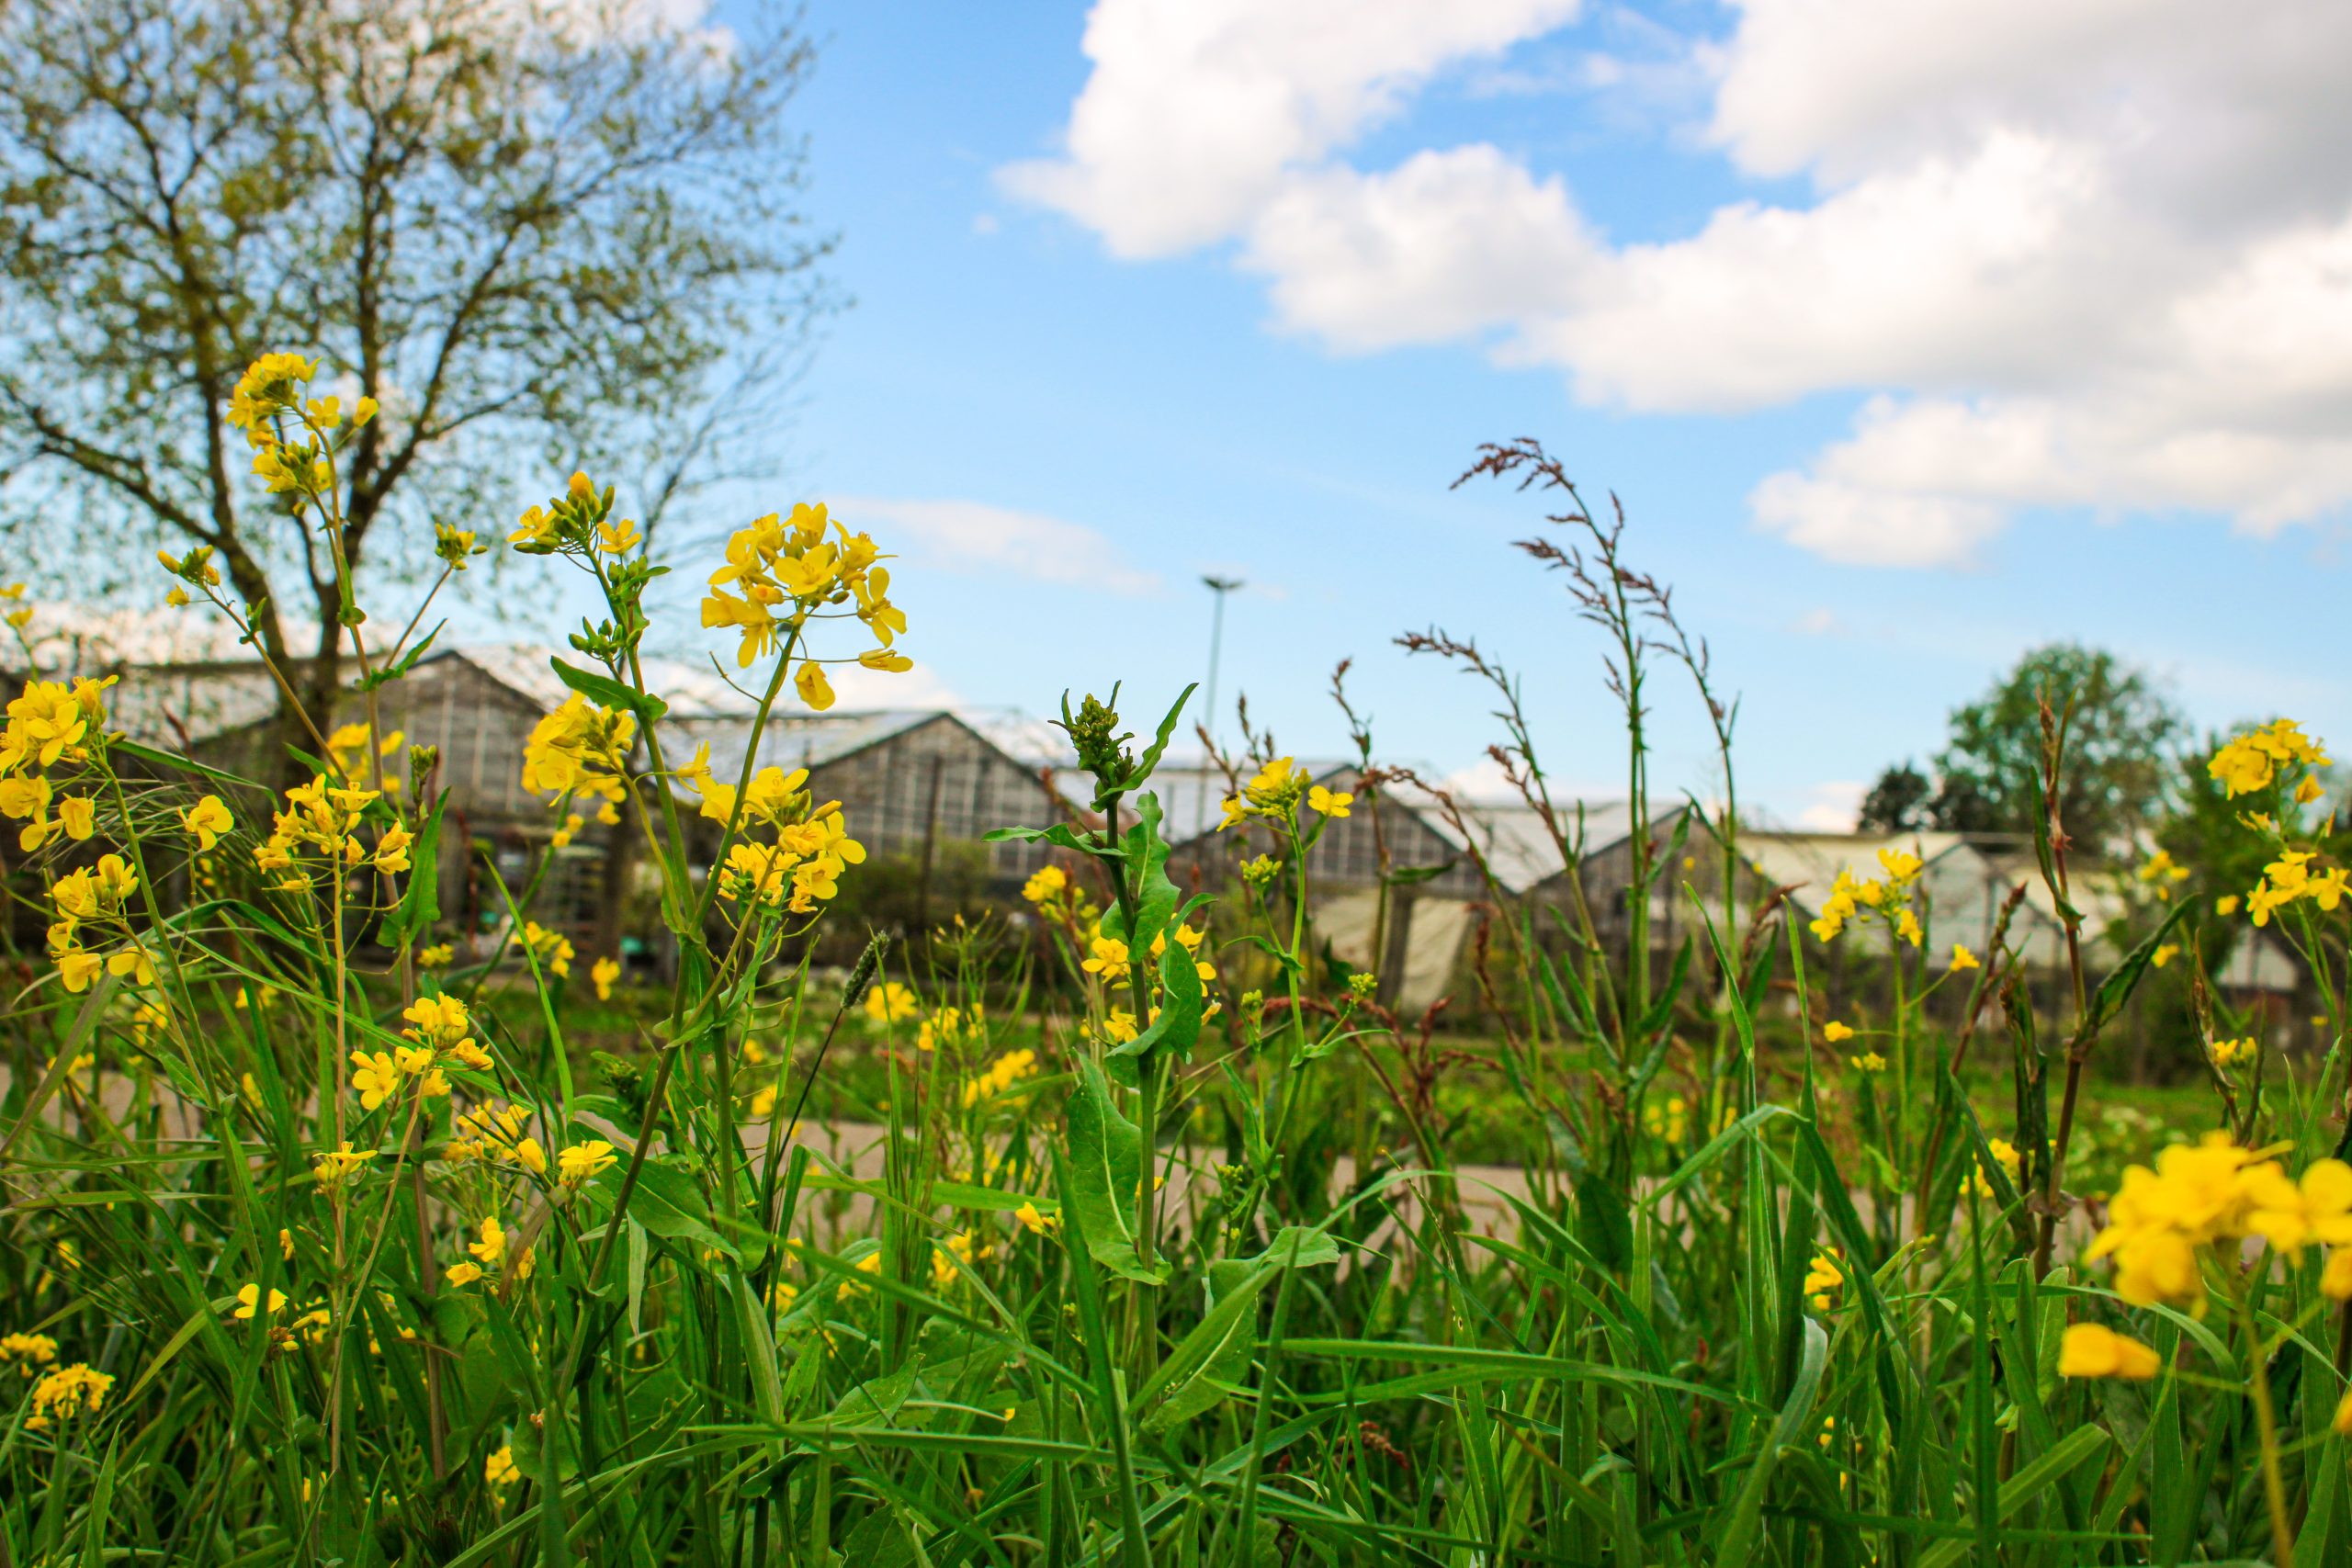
1220,586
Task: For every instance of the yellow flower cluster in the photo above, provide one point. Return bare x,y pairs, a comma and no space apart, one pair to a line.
51,725
2217,1194
499,1469
1669,1120
1827,1274
1002,1075
379,1075
779,574
26,1352
949,1026
2006,1155
96,896
553,949
318,831
802,866
493,1130
1277,792
2291,878
296,459
66,1392
489,1253
2160,873
958,1248
1889,897
581,749
2228,1053
2250,762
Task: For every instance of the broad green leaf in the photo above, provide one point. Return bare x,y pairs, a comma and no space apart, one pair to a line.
1105,1175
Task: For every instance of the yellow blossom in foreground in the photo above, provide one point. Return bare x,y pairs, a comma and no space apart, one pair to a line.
206,821
1036,1224
460,1275
602,973
1108,958
1963,959
2214,1194
335,1166
1328,802
2091,1351
1835,1032
582,1162
1045,884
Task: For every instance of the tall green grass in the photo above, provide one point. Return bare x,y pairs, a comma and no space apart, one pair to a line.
1704,1340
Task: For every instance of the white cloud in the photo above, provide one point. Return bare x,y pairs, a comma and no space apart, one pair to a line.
1198,110
2080,252
1833,807
1448,245
857,689
971,535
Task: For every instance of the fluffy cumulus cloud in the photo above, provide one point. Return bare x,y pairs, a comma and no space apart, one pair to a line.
1199,112
971,535
2070,252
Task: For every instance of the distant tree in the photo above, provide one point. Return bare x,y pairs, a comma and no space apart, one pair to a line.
2122,735
535,233
2119,757
1899,802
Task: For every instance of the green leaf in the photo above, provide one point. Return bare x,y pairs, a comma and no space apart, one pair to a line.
1061,835
2116,989
1106,1173
406,662
1604,1222
606,692
1146,850
420,903
669,1202
1177,1027
1738,1541
1151,753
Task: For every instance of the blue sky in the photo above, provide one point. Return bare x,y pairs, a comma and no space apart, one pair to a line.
1064,397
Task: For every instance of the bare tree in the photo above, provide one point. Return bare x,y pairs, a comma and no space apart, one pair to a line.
535,233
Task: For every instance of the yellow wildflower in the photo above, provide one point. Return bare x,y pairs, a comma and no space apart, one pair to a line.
2091,1351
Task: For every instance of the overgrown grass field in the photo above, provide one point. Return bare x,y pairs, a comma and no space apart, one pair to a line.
333,1240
